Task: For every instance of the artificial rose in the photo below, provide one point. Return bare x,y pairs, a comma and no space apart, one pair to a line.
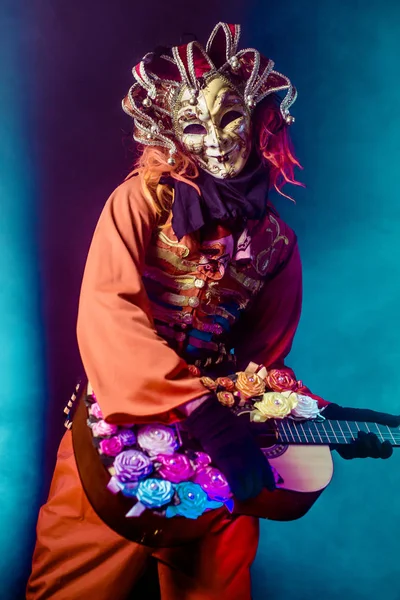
226,398
132,465
111,446
281,380
226,382
307,408
157,439
95,410
193,370
103,429
154,493
127,436
202,460
175,467
192,501
214,483
274,405
209,383
249,384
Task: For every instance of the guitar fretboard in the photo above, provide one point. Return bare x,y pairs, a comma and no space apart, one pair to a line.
331,432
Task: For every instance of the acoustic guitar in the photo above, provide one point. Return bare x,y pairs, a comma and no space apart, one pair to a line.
298,450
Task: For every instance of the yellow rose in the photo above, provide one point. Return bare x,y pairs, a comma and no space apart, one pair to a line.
249,384
275,405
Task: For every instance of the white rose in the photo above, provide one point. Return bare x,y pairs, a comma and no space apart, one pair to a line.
307,408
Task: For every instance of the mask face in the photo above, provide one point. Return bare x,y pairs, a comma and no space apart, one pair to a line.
216,131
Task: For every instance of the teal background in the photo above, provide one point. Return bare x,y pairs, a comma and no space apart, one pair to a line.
63,148
22,352
343,56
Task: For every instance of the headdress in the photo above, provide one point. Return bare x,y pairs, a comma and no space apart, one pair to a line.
160,76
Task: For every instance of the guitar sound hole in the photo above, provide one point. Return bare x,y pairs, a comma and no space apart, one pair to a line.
273,451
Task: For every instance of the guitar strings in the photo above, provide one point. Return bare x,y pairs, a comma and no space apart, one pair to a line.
309,431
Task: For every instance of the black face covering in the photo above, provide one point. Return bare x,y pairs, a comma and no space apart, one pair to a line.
238,199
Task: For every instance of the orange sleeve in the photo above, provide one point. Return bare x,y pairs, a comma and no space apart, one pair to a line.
265,335
136,376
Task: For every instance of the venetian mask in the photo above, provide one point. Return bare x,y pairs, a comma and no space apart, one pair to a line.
214,127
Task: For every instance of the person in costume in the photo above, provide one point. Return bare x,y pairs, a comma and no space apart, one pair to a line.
191,275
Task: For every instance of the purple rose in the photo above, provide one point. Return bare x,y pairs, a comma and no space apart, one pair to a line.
103,429
214,483
111,446
127,437
132,465
95,410
157,439
175,467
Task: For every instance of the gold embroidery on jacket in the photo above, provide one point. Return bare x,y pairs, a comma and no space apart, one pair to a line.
248,282
177,282
213,292
264,257
174,260
174,244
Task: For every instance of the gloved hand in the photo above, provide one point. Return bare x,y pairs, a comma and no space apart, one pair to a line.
232,448
367,445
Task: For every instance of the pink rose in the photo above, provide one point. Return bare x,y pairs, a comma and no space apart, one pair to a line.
202,460
175,467
95,410
103,429
214,483
111,446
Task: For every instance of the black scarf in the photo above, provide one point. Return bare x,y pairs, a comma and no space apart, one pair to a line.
235,200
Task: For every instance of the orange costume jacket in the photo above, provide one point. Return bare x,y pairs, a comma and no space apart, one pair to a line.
151,305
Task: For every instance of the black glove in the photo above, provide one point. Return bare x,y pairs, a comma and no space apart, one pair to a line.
232,448
367,445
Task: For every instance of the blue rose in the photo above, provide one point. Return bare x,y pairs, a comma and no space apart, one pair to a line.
193,501
154,493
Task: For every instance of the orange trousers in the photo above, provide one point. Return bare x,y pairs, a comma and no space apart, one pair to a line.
78,556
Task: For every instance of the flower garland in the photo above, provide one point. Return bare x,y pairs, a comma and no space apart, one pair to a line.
273,394
149,464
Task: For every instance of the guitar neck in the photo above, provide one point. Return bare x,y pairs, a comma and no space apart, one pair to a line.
331,432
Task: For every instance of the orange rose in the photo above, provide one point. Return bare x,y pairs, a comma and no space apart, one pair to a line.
226,398
249,384
209,383
280,380
227,383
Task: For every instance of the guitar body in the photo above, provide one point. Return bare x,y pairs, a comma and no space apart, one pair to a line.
305,471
